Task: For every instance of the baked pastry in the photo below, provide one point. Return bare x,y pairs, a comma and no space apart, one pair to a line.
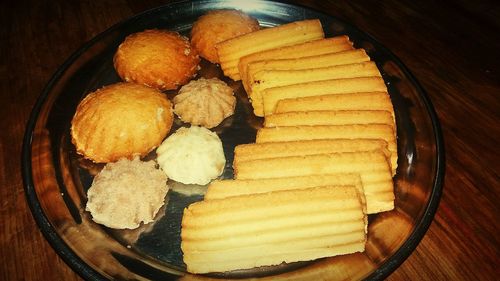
227,188
192,155
120,120
329,117
310,48
204,102
367,131
349,101
266,79
271,96
126,193
372,167
157,58
301,63
263,229
231,51
218,26
272,149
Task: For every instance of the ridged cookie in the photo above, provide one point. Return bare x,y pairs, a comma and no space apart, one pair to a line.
270,228
231,51
372,166
368,131
311,48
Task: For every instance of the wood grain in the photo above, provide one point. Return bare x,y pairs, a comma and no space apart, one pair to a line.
450,46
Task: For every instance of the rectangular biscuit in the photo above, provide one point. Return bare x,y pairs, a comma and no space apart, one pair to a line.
350,101
329,117
270,228
227,188
266,79
372,166
272,96
367,131
311,48
262,150
317,61
230,51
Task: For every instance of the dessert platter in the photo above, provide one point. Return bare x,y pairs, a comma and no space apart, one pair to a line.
230,140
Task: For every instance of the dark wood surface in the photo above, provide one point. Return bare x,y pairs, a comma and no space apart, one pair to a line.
452,47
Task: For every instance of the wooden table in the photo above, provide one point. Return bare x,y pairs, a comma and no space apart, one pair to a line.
452,47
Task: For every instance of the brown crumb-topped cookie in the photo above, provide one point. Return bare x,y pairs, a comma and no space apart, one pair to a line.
127,193
157,58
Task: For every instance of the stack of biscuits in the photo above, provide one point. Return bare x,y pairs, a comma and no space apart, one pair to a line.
323,160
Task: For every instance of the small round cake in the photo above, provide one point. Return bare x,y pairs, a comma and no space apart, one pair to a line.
192,156
217,26
204,102
126,193
157,58
121,120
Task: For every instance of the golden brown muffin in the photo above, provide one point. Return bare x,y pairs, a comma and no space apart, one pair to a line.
217,26
121,120
157,58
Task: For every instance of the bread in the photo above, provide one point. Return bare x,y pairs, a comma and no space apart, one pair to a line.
157,58
231,51
270,228
372,167
204,102
369,131
192,155
272,96
311,48
227,188
120,120
127,193
217,26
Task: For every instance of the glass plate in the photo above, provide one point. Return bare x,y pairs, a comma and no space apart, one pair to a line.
56,178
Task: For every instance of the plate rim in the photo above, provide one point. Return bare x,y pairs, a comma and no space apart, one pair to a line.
72,259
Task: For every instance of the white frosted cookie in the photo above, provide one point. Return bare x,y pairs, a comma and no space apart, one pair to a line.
126,193
192,156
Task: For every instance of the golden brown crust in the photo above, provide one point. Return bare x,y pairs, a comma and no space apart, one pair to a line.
157,58
218,26
231,51
121,120
270,228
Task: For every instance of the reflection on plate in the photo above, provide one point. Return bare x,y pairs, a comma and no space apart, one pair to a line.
56,178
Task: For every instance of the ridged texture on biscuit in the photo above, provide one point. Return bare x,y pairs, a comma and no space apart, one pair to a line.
253,151
349,101
272,96
266,79
160,59
204,102
372,167
270,228
311,48
230,51
329,117
121,120
227,188
217,26
368,131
